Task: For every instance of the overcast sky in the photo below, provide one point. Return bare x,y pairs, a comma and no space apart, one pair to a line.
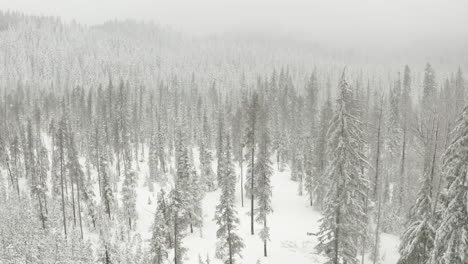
367,20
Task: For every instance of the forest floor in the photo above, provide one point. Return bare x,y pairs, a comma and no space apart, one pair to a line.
292,225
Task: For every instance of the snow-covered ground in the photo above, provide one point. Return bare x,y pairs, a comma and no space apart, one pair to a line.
291,224
293,218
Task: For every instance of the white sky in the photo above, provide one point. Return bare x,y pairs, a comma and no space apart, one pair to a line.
366,20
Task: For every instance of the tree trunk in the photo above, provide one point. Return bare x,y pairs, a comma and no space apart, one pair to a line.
176,261
364,238
402,169
252,193
40,211
337,237
73,201
98,165
376,244
278,159
377,159
265,253
229,241
242,178
13,183
79,210
61,183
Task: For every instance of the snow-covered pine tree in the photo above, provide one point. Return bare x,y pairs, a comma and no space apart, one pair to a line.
460,93
311,104
406,116
229,243
41,186
158,242
183,197
30,156
343,223
250,141
61,144
220,145
451,236
130,182
76,176
263,170
197,194
180,221
418,239
429,87
207,176
129,197
153,160
317,181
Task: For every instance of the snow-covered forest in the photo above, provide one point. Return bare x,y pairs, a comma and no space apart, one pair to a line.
130,142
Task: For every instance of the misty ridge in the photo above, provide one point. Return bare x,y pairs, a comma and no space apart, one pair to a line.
132,141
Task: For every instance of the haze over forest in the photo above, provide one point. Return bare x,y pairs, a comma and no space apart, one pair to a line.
256,132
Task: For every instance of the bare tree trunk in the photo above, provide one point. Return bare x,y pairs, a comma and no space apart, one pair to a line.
377,233
61,183
265,253
377,160
79,209
242,178
176,260
337,237
118,165
402,168
13,183
98,162
278,159
364,238
73,200
252,192
40,211
229,241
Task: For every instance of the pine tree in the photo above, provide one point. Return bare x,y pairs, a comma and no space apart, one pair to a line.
429,87
343,222
153,160
229,243
317,183
107,194
179,209
62,136
250,187
76,174
406,109
41,187
130,182
158,243
418,239
208,178
460,92
451,243
129,197
264,171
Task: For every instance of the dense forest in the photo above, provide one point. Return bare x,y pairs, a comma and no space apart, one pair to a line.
99,123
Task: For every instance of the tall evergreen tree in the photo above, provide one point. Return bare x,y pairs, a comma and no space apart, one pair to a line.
418,239
315,182
229,243
263,169
343,222
451,236
158,243
251,142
